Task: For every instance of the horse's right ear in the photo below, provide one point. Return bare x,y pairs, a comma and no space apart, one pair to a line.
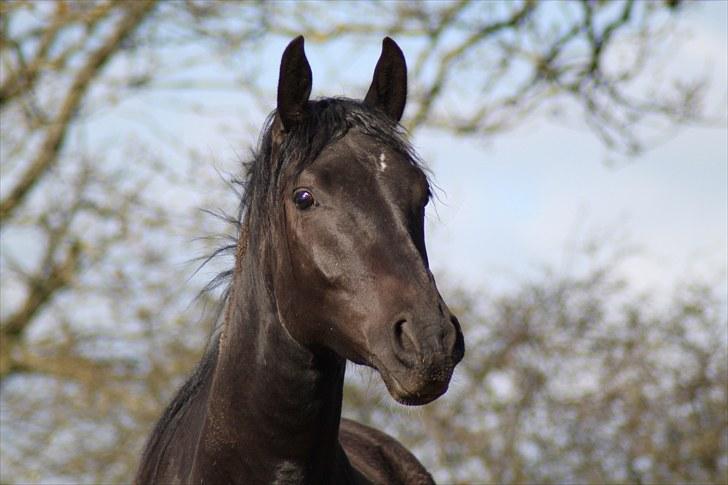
294,84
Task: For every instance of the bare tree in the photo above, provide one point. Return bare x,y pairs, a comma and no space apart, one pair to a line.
514,58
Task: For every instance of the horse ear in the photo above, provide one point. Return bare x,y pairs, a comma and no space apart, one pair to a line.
294,84
388,91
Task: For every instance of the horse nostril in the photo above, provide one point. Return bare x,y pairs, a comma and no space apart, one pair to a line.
415,346
405,342
456,342
404,337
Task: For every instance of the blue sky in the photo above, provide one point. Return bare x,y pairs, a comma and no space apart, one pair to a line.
530,195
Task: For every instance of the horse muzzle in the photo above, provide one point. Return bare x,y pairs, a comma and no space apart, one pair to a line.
416,360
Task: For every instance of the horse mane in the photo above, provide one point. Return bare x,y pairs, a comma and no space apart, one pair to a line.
326,120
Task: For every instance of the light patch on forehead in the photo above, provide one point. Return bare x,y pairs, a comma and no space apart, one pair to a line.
288,472
382,163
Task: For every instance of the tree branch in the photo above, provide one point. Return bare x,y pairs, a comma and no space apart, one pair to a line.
56,134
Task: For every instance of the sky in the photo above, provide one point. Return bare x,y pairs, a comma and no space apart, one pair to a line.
527,197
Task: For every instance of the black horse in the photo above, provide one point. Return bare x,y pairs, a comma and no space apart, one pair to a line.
330,265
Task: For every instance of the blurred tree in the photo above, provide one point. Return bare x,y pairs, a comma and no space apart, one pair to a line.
95,331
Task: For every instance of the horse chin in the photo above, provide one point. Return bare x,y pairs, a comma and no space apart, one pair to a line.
422,392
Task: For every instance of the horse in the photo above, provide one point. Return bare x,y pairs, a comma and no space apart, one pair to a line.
330,266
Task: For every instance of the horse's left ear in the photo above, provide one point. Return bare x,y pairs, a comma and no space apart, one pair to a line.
388,91
294,84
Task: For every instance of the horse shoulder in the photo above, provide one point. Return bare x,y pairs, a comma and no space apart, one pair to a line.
379,457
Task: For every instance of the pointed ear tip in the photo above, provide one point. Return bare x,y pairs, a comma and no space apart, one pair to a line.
294,52
296,43
390,44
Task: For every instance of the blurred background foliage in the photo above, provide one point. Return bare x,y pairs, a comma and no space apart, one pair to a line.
570,377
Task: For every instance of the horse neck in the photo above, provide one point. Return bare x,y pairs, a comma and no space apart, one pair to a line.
274,404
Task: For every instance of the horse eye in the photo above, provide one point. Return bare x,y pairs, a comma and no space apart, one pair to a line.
303,199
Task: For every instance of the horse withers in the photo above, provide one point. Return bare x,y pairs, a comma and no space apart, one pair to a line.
330,266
